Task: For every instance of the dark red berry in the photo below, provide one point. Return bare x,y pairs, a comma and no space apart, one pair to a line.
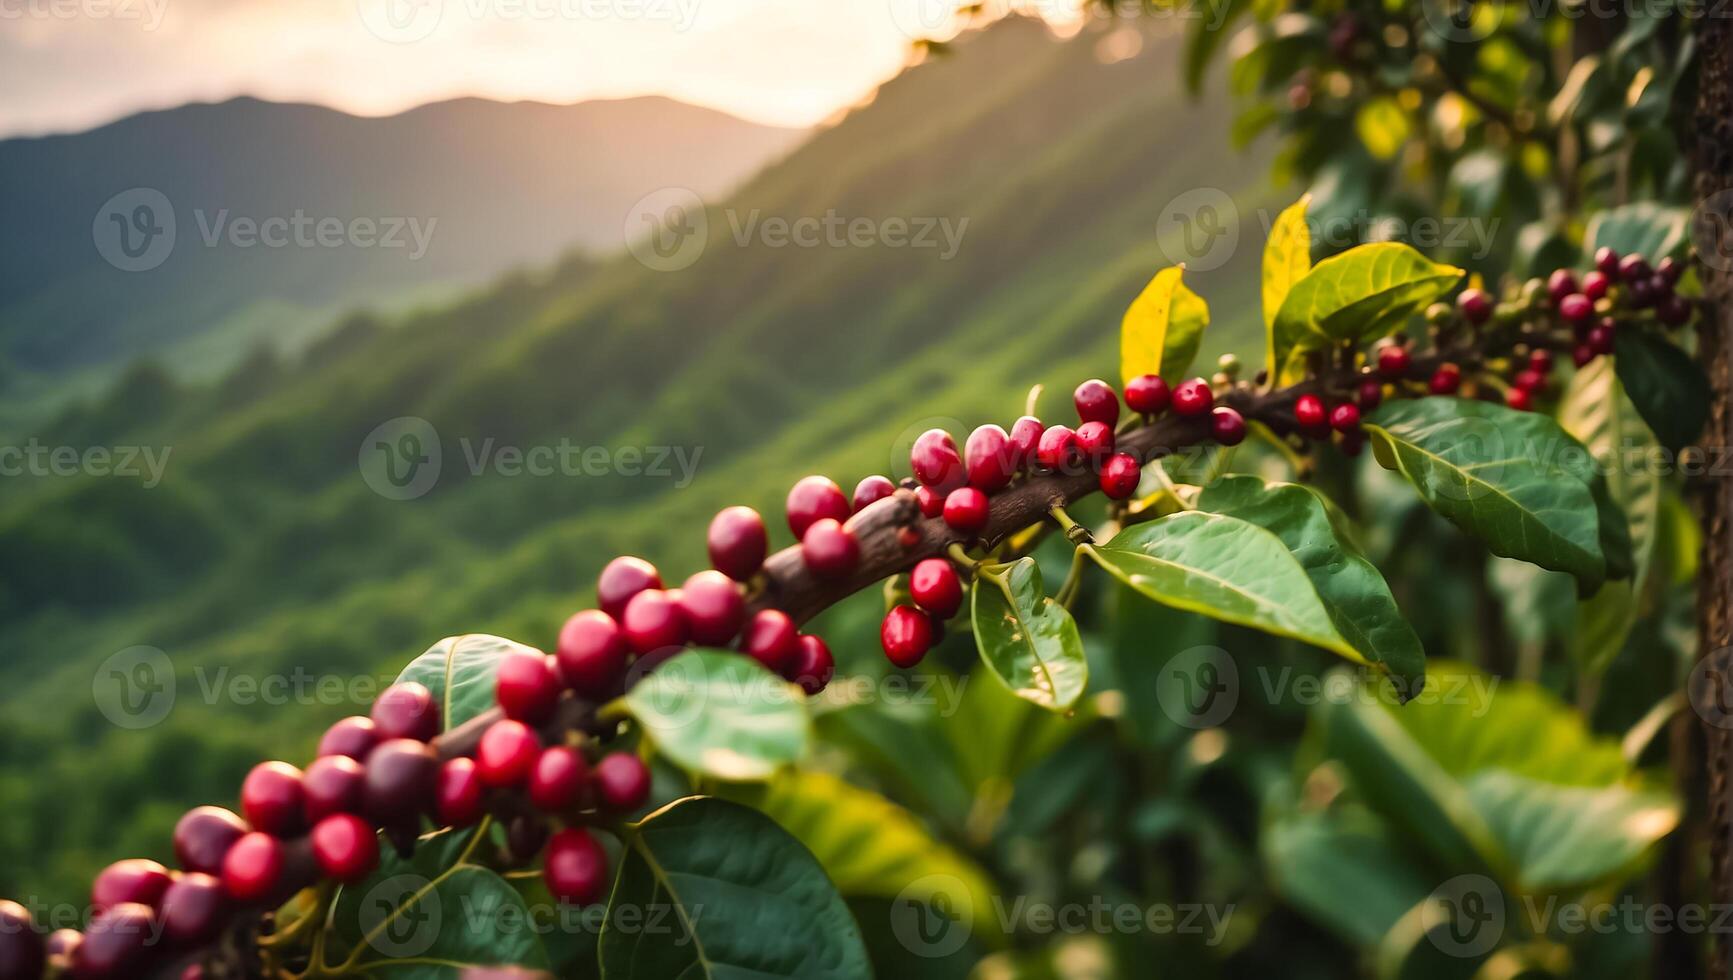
402,783
1640,292
119,943
1600,340
1529,380
1475,305
193,910
966,510
1095,441
831,550
989,458
1228,426
406,710
1582,354
506,753
738,541
1148,394
771,639
813,665
622,782
1540,361
592,654
459,799
1562,283
935,587
935,461
273,800
136,880
1576,308
907,634
333,784
1193,398
1445,380
813,499
1058,450
253,869
1674,311
524,837
1394,361
204,835
1669,270
1025,440
1660,287
714,608
1370,395
1096,402
22,950
1351,443
576,868
931,502
1310,414
1120,476
654,621
621,579
61,943
527,686
1633,268
354,737
560,780
871,490
1345,417
1518,398
1595,285
346,848
1607,261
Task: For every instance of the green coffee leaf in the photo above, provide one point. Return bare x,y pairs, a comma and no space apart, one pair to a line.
1570,836
1162,328
1361,294
460,671
1646,228
721,714
1287,259
1667,385
1026,639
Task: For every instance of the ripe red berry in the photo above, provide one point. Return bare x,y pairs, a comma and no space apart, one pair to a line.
560,780
119,943
1025,440
871,490
1576,308
273,800
771,639
989,458
621,579
1120,476
253,868
1674,311
354,737
931,502
1445,380
714,608
907,634
935,461
592,654
406,710
204,835
576,868
1095,441
22,950
1310,414
1228,426
622,781
1529,380
1607,261
830,549
1345,417
813,666
1193,398
1096,402
1582,354
1394,361
813,499
1562,283
61,943
738,541
1148,394
1058,450
1518,398
402,783
1370,395
527,686
1633,268
1475,304
193,910
458,797
1595,285
506,753
1540,361
333,784
135,880
654,621
1600,340
935,587
1669,270
966,510
345,847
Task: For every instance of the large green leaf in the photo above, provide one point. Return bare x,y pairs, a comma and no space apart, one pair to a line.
721,714
1362,293
1647,228
1569,836
1026,639
1353,592
1162,328
740,899
1343,869
1512,479
1667,385
1225,568
460,671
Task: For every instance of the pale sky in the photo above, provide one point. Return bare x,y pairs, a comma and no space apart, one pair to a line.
71,64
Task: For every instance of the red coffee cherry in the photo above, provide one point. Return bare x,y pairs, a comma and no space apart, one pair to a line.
273,800
1370,395
527,686
345,847
1058,449
402,782
1394,361
870,490
1446,380
525,836
1674,311
1025,439
1096,402
714,608
771,639
1518,399
1669,270
966,510
506,753
1120,476
1148,394
1540,361
935,461
1561,284
1229,426
194,910
1576,308
1095,442
333,784
830,549
23,953
135,880
813,499
1475,304
932,505
406,710
1193,398
1607,261
1530,380
253,869
354,737
935,587
1595,285
1582,354
119,943
1310,414
1600,340
1345,417
654,621
813,666
621,579
61,943
1351,443
592,654
560,780
989,458
907,635
204,835
622,782
576,868
738,542
1633,268
459,798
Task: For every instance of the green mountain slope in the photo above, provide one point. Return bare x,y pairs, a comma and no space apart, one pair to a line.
263,553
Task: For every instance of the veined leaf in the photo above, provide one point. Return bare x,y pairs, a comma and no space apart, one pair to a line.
721,714
460,671
1162,328
1028,641
1363,293
1569,836
1654,230
1287,259
1666,384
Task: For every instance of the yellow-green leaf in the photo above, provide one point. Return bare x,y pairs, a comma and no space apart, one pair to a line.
1287,259
1363,293
1382,126
1162,328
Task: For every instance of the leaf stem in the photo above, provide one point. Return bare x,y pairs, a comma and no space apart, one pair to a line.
959,554
1073,530
1073,583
